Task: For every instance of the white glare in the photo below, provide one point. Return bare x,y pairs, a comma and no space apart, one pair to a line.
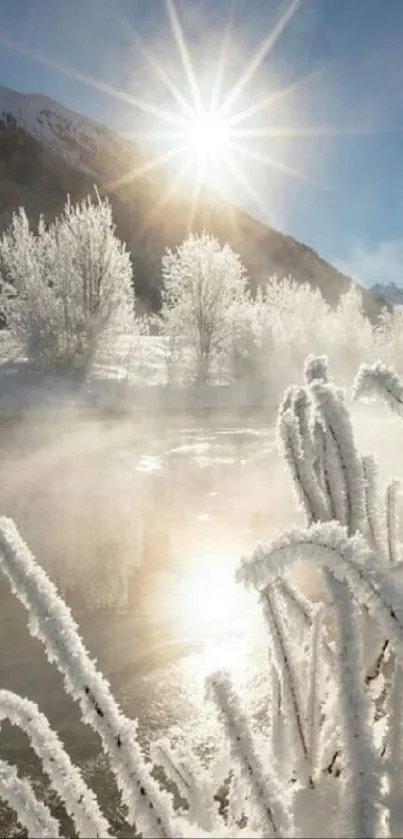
206,136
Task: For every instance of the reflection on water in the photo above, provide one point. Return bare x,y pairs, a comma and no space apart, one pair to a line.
204,602
145,521
141,524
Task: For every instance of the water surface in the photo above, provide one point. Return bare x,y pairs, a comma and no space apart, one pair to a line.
141,524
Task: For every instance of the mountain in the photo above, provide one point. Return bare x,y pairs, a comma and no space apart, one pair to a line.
47,151
390,293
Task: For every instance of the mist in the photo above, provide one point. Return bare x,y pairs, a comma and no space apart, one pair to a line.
110,506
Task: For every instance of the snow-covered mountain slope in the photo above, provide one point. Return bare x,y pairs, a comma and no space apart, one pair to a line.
79,140
48,151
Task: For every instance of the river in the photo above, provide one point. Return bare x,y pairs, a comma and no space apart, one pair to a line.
141,523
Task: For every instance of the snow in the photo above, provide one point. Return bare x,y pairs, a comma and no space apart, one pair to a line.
66,133
127,380
279,769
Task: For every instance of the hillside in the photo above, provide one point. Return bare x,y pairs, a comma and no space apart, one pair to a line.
390,293
47,151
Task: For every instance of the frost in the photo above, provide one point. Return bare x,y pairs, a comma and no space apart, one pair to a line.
273,818
379,379
65,288
51,621
328,760
32,814
80,802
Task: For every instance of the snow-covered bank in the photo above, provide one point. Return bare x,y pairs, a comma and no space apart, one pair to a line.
23,391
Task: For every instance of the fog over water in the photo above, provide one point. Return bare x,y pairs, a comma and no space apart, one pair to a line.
141,524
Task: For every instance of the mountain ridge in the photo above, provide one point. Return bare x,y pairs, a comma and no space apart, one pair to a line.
47,151
388,292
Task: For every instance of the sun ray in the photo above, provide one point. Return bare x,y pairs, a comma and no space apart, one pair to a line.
177,32
211,138
219,178
196,192
231,208
307,131
163,76
166,196
96,84
277,95
146,168
157,134
222,58
251,192
251,154
262,53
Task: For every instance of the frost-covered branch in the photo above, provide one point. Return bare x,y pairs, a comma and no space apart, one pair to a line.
392,491
79,800
316,368
192,781
297,447
394,758
315,674
344,464
267,794
381,380
32,814
374,530
317,441
347,558
361,781
51,621
292,705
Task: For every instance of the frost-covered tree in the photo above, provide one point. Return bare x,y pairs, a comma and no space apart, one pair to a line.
252,348
351,335
388,338
202,281
66,286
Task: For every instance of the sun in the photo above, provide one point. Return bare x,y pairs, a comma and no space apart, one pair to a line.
213,139
208,134
207,137
204,137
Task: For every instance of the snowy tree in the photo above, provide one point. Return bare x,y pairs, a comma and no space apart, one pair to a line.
251,344
65,287
388,338
350,332
202,281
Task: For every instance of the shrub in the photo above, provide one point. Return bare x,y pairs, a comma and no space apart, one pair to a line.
66,287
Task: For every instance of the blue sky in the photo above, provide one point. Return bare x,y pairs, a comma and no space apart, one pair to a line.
349,203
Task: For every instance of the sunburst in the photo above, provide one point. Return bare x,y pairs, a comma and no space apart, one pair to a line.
212,140
207,134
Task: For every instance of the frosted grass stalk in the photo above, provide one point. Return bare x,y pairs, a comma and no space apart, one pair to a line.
79,800
360,777
265,790
51,621
32,814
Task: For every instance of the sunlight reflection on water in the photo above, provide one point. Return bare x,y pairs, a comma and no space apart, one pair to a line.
149,464
142,526
205,601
